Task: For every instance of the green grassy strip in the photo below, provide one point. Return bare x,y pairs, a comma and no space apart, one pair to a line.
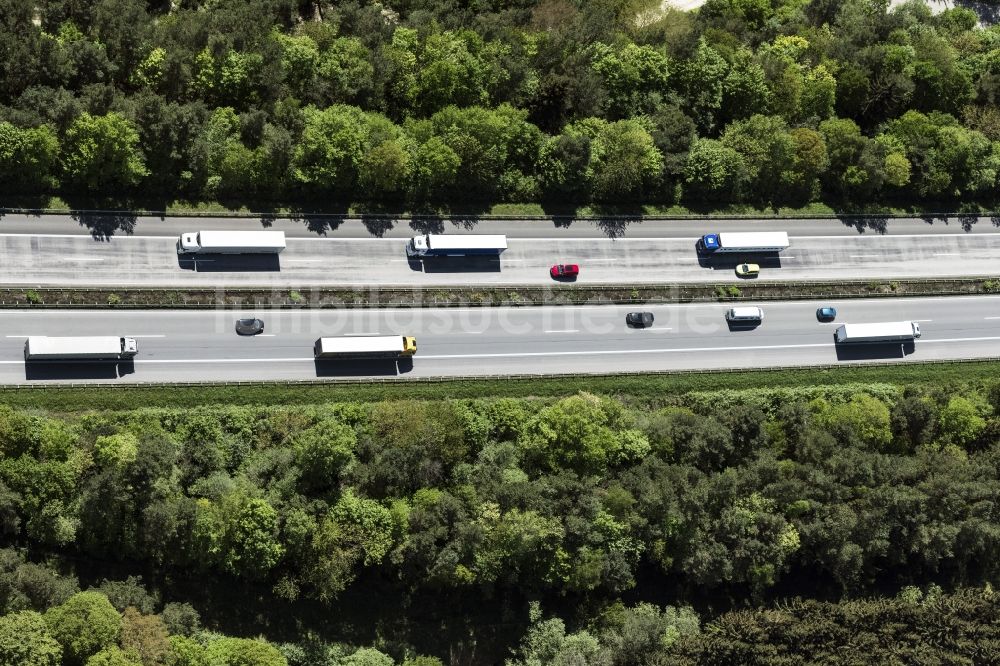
533,209
640,388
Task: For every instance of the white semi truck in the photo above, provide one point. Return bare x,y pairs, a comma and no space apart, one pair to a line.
893,331
455,245
91,348
755,241
365,346
231,242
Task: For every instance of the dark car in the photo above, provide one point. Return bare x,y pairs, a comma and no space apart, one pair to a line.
564,271
826,314
249,326
639,319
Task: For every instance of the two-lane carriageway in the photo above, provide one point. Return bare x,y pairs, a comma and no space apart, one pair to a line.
194,346
73,260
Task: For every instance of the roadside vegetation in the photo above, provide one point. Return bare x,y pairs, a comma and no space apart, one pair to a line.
569,529
422,105
418,297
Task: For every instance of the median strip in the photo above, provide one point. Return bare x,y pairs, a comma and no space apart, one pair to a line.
492,296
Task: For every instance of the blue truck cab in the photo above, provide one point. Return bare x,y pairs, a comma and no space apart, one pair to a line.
709,243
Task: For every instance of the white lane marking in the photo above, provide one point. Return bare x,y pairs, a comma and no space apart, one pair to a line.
568,330
83,259
265,335
28,335
961,340
304,261
661,328
605,352
223,360
991,317
947,254
865,256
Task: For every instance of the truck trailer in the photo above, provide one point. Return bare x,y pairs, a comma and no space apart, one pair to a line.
231,242
893,331
758,241
92,348
365,346
455,245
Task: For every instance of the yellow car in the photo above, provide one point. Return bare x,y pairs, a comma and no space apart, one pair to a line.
747,270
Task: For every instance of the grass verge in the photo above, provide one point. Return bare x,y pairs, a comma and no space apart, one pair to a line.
306,298
265,208
634,387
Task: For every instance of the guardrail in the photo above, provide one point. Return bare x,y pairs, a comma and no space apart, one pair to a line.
347,381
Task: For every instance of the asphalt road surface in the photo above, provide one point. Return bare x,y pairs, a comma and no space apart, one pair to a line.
102,226
142,261
184,346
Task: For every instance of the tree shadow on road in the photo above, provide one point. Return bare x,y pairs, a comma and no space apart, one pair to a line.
103,226
864,223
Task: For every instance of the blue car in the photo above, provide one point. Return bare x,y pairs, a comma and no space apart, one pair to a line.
826,314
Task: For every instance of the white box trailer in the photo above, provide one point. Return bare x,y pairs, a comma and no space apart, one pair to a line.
365,346
231,242
756,241
455,245
89,348
893,331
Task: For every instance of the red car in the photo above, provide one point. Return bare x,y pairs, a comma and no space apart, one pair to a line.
562,271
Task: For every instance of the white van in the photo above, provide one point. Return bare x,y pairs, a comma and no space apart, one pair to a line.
744,314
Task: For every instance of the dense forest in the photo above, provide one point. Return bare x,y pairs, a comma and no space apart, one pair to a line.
419,104
677,530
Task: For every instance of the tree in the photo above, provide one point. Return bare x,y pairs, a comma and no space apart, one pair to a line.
28,158
862,417
347,70
643,633
333,145
624,163
322,452
435,169
242,652
714,172
546,643
582,432
745,89
635,78
25,640
117,450
144,636
101,154
386,169
356,531
250,541
700,81
563,164
368,657
114,656
768,152
186,651
181,619
962,421
84,625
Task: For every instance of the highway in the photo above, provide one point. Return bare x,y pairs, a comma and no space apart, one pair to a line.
73,260
186,346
